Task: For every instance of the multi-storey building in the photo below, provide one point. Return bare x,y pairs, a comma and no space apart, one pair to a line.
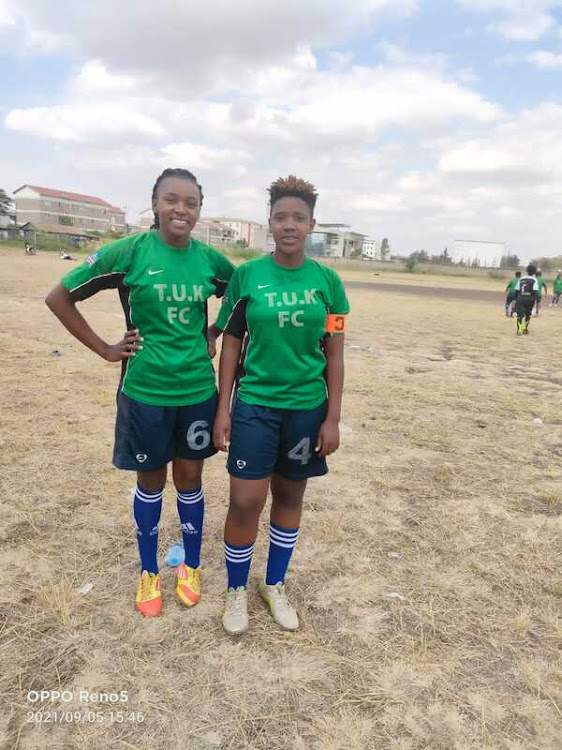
251,233
58,211
370,249
219,232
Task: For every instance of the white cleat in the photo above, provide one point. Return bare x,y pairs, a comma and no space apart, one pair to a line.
281,609
235,616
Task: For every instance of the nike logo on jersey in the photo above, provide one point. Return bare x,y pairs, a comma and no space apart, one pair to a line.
263,286
151,273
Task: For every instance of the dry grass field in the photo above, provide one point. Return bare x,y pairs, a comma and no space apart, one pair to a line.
428,574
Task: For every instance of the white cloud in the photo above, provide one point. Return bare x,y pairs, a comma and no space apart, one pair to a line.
524,20
94,79
83,123
545,59
202,158
218,46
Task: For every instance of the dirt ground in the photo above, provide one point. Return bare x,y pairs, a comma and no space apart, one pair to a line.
427,573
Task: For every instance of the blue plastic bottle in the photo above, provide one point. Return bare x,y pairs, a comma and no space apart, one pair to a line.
175,555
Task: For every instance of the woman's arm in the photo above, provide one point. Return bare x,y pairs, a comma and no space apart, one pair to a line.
230,356
329,433
61,304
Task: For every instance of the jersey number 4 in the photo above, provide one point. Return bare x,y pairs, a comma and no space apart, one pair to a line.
301,451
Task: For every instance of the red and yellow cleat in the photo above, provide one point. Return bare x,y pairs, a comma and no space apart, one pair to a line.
188,585
149,598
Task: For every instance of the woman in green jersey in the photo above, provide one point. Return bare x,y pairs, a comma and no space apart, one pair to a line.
557,290
167,396
291,312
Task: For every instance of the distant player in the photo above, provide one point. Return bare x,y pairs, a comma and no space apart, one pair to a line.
527,289
542,285
511,294
557,291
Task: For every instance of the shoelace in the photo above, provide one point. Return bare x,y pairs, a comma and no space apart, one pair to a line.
281,597
235,599
146,585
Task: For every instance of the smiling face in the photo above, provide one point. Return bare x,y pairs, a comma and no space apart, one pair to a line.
290,223
178,206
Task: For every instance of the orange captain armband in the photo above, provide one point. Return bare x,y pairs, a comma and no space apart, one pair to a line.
335,324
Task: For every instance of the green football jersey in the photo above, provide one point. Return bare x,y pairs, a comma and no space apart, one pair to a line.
511,286
163,291
558,285
284,311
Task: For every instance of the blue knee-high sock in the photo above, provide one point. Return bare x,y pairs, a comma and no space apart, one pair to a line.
191,509
281,545
147,507
238,560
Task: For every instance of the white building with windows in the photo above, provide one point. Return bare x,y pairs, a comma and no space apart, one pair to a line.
48,210
370,249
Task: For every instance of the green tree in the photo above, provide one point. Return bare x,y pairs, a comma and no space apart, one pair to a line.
6,204
410,262
510,262
385,249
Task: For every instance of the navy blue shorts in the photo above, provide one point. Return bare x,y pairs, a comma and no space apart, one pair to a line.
148,437
264,441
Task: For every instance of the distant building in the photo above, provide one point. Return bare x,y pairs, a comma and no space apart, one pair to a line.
214,232
251,233
61,212
220,232
370,249
334,240
146,219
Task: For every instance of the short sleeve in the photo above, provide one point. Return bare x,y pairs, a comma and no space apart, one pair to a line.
223,270
340,304
231,297
103,269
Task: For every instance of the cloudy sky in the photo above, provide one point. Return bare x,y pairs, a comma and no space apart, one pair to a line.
423,121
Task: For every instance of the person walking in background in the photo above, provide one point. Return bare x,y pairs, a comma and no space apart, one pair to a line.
167,396
527,289
557,290
511,294
542,285
286,411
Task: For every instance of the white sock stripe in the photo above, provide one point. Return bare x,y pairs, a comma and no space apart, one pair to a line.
280,532
146,498
281,544
239,552
238,559
191,501
191,494
283,537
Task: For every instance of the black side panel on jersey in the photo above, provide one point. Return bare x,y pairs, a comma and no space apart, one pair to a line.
237,326
123,290
87,290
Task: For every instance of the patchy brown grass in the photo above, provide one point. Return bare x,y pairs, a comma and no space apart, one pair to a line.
445,491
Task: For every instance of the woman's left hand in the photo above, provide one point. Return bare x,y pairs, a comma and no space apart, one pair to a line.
328,438
211,344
